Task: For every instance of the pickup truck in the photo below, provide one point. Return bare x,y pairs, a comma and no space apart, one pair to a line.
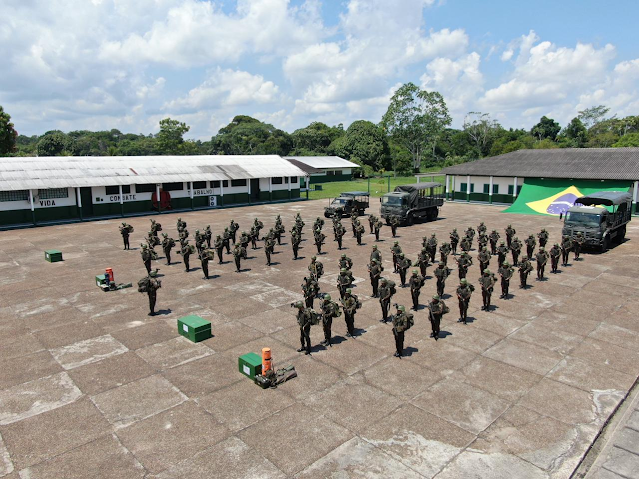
348,202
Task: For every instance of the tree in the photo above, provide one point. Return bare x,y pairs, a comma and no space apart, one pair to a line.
315,138
8,134
576,132
546,128
416,118
52,143
593,115
631,139
170,137
481,130
365,144
248,136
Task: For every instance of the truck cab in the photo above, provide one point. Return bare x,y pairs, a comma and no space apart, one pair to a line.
348,202
413,202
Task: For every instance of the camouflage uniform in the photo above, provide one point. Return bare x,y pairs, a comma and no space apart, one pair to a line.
515,249
345,262
385,295
350,305
316,268
375,271
566,246
510,232
506,272
218,245
396,249
305,318
422,261
493,237
431,247
464,292
402,322
167,244
484,259
555,253
416,282
394,223
238,253
402,265
330,310
436,309
530,245
463,263
525,267
487,281
441,273
125,231
542,259
454,241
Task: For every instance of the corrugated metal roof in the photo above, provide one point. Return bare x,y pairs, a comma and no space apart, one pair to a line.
577,163
324,161
69,172
304,167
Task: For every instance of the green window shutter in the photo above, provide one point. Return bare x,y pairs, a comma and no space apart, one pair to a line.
486,188
495,189
510,190
464,188
472,187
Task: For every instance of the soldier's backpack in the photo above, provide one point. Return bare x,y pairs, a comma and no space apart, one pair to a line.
391,285
143,285
315,317
410,321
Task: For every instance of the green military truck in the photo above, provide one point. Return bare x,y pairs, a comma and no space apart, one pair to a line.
419,201
600,226
348,202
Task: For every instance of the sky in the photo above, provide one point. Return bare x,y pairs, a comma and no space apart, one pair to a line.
126,64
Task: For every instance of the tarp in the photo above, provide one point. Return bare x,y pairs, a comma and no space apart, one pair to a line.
414,189
553,196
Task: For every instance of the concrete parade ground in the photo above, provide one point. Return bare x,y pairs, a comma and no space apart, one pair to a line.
93,387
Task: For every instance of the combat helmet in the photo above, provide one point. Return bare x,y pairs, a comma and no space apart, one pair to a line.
401,307
327,297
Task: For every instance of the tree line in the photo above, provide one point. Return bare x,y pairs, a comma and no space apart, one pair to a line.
414,134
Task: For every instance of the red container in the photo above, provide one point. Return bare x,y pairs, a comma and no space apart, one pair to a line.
109,273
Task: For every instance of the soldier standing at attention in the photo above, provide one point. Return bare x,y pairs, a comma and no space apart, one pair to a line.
444,251
487,281
310,288
205,256
258,225
125,231
377,228
345,262
340,231
279,230
167,245
181,224
422,261
577,244
254,234
464,292
183,234
152,240
305,318
394,223
463,263
319,223
506,272
396,249
200,241
481,229
510,232
376,255
402,265
150,286
371,222
218,245
226,240
493,237
431,247
208,234
295,240
316,268
466,244
269,247
566,246
350,305
543,237
515,248
186,251
502,252
470,233
344,281
233,227
386,292
245,239
542,259
238,252
402,322
530,245
525,267
555,253
330,310
359,231
375,271
416,282
441,273
147,256
155,227
454,240
484,259
436,309
482,241
354,221
319,240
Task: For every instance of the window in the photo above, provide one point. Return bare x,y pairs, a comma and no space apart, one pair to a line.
464,187
215,184
286,179
146,188
172,186
276,181
330,173
511,189
114,190
238,182
225,183
294,179
486,188
18,195
472,187
53,193
495,189
199,185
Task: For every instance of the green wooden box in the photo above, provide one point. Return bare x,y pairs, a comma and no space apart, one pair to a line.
53,255
250,365
194,328
100,280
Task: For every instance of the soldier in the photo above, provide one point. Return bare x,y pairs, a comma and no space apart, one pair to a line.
258,225
296,239
218,245
245,239
371,222
502,252
233,227
466,244
543,237
463,263
484,259
394,223
566,246
125,231
482,241
396,249
226,240
254,234
481,229
470,233
376,255
319,240
422,261
515,248
316,268
510,232
493,237
354,221
375,271
340,231
386,292
344,281
464,292
487,281
147,256
359,231
377,228
577,244
431,247
181,224
200,241
298,220
205,256
238,253
436,309
279,230
345,262
441,273
530,245
402,322
444,251
454,241
319,223
310,289
350,305
167,245
555,253
305,318
150,286
525,267
330,310
183,234
155,227
269,247
506,272
152,240
402,265
416,282
542,258
186,250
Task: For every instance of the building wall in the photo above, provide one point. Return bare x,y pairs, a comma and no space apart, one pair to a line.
339,174
480,186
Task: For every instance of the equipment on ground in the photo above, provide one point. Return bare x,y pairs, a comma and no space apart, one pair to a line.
348,202
194,328
53,255
250,365
410,203
271,378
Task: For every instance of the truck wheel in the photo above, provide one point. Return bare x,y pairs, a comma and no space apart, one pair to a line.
622,234
410,220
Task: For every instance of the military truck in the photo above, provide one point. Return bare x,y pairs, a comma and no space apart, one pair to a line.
600,226
419,201
348,202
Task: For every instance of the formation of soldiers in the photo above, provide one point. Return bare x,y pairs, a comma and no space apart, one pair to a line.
489,245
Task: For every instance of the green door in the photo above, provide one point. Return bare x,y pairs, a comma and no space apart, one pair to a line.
255,189
87,202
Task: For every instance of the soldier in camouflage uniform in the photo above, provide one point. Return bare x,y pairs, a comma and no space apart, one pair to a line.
482,241
305,318
296,239
454,240
483,258
345,262
319,223
416,281
151,240
577,244
208,234
147,255
233,227
155,227
354,221
167,244
543,237
466,244
481,229
200,241
359,231
371,222
444,251
344,281
375,271
340,231
555,253
441,273
464,292
402,322
431,247
396,249
319,239
226,240
316,268
218,245
515,248
463,263
403,264
394,223
502,252
330,310
350,305
530,245
311,289
386,291
510,232
493,237
269,247
566,246
377,227
186,251
279,230
436,310
181,224
245,239
238,253
470,233
376,255
506,272
487,281
541,259
125,231
205,256
150,286
254,234
525,267
422,261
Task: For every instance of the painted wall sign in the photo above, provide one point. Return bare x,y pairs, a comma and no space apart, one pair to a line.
114,198
45,203
204,192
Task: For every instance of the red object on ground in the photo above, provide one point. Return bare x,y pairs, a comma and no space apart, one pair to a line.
109,272
266,359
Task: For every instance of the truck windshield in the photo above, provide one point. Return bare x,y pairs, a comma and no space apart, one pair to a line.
583,219
339,201
391,200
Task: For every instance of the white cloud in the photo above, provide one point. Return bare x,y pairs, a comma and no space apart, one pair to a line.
507,55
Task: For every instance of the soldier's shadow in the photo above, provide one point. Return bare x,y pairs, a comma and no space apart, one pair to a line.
409,351
358,332
163,312
274,263
195,268
444,334
446,296
338,339
245,270
469,319
212,276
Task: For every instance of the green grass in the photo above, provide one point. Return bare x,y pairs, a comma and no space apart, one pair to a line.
378,186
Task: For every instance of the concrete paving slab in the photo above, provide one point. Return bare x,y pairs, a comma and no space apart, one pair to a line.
27,368
581,374
614,334
202,376
172,353
88,351
604,353
524,355
622,462
476,465
400,378
68,333
6,466
555,340
145,334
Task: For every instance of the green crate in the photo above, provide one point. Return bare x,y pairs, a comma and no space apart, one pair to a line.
194,328
250,365
53,255
100,280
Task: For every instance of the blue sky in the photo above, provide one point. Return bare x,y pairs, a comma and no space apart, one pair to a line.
126,64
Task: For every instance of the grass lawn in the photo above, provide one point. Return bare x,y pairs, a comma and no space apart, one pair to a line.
378,186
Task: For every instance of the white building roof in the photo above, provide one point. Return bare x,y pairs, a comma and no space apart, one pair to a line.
75,171
324,161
